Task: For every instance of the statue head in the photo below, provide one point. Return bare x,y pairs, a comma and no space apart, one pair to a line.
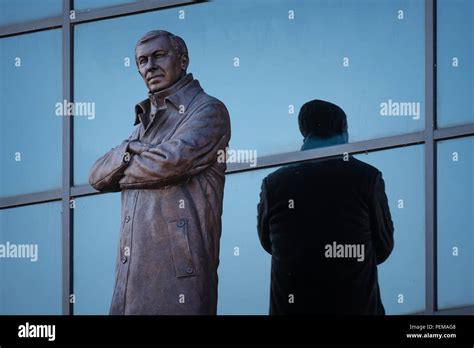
161,58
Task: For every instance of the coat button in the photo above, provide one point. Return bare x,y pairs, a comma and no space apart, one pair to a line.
189,270
123,259
181,223
127,218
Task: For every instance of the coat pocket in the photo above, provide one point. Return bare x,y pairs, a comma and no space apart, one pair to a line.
181,253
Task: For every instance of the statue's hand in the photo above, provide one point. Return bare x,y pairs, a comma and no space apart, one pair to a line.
137,147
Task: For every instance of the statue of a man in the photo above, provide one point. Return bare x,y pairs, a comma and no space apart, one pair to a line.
172,188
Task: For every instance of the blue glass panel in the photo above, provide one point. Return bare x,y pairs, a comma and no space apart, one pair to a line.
19,11
30,131
455,223
283,62
87,5
96,237
31,284
455,56
404,271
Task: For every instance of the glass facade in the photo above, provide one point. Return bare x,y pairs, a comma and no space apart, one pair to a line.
244,270
19,11
455,223
264,59
30,266
30,83
96,226
272,61
455,56
401,277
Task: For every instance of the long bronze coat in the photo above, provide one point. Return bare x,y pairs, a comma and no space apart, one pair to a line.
171,203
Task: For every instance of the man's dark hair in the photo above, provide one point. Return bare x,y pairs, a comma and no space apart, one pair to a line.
321,118
178,44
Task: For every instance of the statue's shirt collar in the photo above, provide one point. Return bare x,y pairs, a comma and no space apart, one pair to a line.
179,95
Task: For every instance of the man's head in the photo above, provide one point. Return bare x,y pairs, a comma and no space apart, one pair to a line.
162,59
322,119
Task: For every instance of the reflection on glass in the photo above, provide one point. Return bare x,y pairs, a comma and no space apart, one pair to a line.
30,263
19,11
263,59
30,130
455,223
455,30
244,269
96,235
87,5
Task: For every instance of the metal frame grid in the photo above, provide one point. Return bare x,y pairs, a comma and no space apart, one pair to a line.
68,191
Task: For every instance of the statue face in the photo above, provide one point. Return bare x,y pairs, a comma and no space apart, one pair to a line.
158,63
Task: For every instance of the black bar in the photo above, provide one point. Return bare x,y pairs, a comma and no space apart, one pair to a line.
83,190
454,132
30,198
351,148
456,311
67,216
136,330
269,161
93,15
128,9
296,156
32,26
430,157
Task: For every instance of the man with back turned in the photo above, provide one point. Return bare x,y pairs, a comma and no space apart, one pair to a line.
327,225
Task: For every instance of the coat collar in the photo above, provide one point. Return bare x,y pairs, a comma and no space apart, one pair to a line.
314,142
181,93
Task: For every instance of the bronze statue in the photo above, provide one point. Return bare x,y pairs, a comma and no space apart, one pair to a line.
172,188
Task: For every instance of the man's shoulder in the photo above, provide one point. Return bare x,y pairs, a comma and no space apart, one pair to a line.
292,171
363,165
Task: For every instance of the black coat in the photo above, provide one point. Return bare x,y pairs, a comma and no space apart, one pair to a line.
310,214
